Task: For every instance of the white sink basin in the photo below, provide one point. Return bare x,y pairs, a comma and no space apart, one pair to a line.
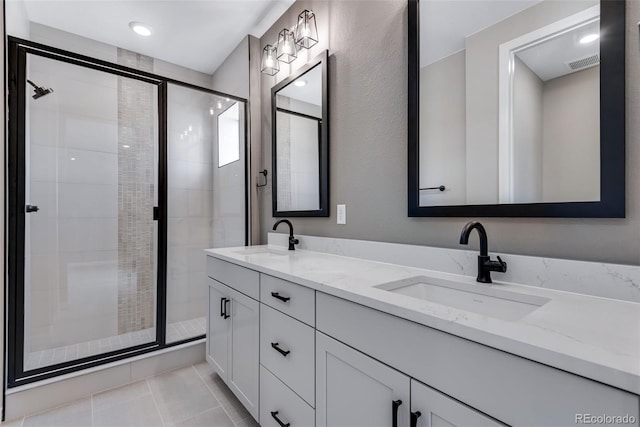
480,299
261,251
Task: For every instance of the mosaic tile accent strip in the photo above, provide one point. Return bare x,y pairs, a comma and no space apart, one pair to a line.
137,149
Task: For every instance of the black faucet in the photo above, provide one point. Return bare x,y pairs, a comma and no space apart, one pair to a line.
485,264
292,240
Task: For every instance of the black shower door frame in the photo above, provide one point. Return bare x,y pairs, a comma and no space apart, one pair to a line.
18,49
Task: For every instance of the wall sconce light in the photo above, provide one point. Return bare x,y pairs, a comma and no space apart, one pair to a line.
270,64
286,47
303,36
306,30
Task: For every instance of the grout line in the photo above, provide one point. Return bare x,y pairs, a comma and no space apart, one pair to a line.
213,394
155,402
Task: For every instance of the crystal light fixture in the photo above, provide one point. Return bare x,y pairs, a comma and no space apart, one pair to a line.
270,64
306,30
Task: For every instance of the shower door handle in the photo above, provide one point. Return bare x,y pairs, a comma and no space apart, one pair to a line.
32,208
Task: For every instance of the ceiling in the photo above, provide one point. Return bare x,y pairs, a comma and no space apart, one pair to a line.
310,93
550,59
444,24
197,34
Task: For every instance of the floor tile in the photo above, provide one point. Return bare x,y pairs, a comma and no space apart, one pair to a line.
181,395
13,423
77,414
138,412
216,417
247,422
109,399
225,396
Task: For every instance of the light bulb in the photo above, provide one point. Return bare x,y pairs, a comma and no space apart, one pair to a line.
589,38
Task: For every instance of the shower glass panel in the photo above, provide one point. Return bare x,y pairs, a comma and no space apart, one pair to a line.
206,202
91,168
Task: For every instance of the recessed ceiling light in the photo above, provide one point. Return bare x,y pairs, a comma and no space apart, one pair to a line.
73,158
300,83
140,28
126,146
589,38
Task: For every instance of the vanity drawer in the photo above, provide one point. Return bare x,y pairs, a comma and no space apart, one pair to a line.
239,278
295,300
280,334
277,400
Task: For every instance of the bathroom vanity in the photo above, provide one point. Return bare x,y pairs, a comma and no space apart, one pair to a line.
306,338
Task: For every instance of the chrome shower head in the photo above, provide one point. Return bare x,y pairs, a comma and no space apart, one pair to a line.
39,90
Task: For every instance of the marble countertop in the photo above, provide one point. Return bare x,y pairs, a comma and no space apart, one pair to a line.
597,338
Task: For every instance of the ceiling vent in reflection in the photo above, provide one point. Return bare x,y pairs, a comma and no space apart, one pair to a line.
586,62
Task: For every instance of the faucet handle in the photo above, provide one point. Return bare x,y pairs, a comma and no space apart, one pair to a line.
502,264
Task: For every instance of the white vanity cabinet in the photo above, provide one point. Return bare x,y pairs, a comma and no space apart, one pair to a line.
429,408
356,390
233,325
299,357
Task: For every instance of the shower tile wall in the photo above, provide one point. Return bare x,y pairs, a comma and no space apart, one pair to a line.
72,240
190,197
137,148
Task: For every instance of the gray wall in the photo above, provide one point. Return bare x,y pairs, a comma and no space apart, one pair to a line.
232,76
443,131
527,134
368,162
571,135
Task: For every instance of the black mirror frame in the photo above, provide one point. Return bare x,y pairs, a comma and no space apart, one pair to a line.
323,61
612,132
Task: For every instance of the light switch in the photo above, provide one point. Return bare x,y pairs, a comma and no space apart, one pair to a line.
342,214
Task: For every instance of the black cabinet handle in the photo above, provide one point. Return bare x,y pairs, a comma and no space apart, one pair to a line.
414,418
222,300
280,297
394,411
32,208
274,414
279,350
226,307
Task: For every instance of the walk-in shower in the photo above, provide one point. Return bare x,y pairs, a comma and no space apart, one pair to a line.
115,188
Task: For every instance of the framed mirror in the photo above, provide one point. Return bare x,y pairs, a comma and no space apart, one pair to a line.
517,108
300,129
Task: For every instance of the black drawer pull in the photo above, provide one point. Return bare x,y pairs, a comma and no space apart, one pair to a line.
414,418
226,307
280,297
279,350
394,412
222,300
274,414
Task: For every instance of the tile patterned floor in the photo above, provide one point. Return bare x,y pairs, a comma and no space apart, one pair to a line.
175,332
190,397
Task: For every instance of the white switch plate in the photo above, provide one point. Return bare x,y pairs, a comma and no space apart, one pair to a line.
342,214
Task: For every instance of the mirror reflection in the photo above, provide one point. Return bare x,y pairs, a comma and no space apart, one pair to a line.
298,132
509,102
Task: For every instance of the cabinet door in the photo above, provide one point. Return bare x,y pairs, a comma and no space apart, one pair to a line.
244,351
430,408
353,389
218,328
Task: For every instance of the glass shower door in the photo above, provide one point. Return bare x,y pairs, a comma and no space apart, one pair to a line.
90,184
